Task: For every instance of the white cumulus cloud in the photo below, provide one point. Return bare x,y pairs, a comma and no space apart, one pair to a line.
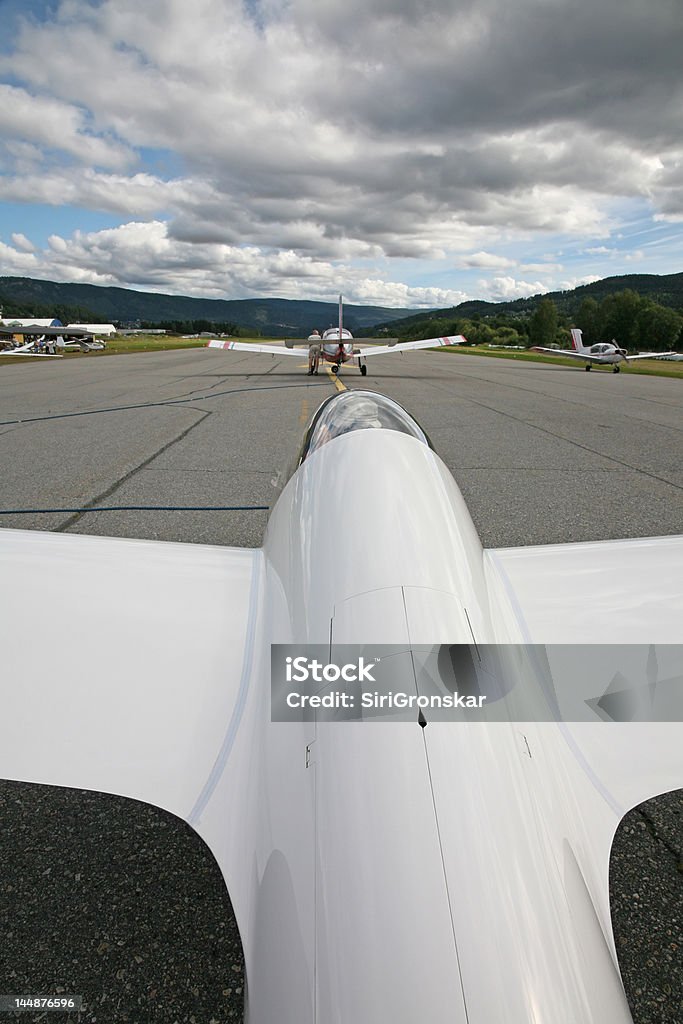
144,255
22,243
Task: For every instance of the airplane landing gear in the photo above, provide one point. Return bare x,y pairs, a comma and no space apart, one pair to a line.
588,366
335,368
363,370
615,368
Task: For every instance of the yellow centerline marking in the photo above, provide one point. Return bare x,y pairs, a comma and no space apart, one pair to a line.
334,377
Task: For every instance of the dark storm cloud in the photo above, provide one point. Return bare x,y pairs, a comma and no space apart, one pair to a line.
500,66
352,128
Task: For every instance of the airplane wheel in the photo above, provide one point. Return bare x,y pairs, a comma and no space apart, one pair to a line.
335,369
588,366
615,368
363,370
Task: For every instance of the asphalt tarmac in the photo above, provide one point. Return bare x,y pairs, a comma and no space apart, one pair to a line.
122,903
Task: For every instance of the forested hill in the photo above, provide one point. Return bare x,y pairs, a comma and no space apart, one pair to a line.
639,310
664,289
25,296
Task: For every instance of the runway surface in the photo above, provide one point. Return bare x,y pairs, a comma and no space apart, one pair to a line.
542,453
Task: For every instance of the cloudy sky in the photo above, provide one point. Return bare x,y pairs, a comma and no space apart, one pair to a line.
406,152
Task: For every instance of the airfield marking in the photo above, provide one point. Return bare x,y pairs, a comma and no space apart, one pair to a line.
335,379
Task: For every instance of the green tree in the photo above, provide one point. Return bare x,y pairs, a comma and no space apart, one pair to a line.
543,324
508,336
588,319
481,334
658,327
619,318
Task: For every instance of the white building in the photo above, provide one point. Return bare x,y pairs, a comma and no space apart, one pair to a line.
92,328
29,321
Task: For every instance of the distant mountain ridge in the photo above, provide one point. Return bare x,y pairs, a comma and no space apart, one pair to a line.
291,317
271,317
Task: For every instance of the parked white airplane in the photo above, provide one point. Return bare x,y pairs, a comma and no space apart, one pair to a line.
337,346
84,342
38,339
603,353
403,872
8,347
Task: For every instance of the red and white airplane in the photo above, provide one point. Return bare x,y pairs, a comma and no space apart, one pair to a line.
604,353
337,346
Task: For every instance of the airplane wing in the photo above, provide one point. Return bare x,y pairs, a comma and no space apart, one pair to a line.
390,342
648,355
569,353
71,717
138,707
625,593
34,355
26,347
406,346
244,346
620,588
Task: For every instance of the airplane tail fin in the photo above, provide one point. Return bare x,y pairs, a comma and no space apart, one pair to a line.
576,339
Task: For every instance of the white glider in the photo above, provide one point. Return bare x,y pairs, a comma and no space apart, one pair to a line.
455,873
